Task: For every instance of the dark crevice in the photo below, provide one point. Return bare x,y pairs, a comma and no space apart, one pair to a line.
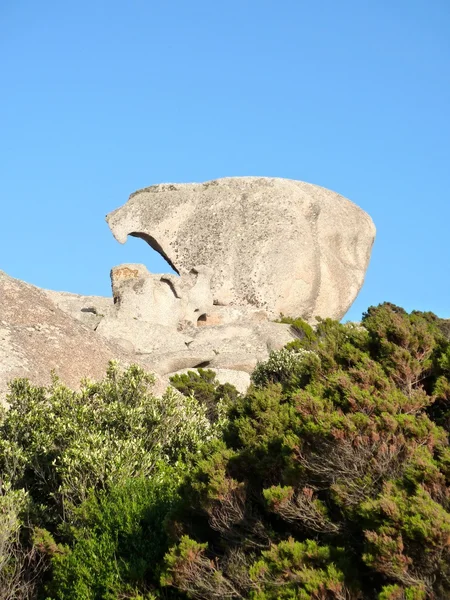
155,245
171,285
202,318
202,365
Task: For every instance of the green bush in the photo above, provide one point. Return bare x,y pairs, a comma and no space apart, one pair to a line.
118,541
287,365
20,564
301,328
330,482
60,444
204,387
99,470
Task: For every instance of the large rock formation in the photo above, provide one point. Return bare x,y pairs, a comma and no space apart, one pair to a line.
276,245
245,249
36,337
163,319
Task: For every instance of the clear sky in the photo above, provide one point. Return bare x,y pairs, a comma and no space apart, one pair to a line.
102,97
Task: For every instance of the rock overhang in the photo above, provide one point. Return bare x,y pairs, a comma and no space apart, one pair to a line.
246,250
280,245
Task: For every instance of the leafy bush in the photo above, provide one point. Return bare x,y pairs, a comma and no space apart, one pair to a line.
60,444
328,480
301,328
118,540
283,366
92,473
20,566
292,569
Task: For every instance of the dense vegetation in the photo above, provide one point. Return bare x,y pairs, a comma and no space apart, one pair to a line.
329,479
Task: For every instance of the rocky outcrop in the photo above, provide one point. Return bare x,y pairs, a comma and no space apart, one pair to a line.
36,337
245,250
169,321
43,331
90,310
161,299
274,245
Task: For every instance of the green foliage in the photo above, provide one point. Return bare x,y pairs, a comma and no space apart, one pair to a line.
336,451
206,389
118,539
300,327
397,592
19,566
297,570
288,365
60,445
328,480
93,474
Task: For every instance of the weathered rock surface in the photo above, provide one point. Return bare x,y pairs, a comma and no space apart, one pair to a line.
275,245
161,299
90,310
42,330
159,318
36,337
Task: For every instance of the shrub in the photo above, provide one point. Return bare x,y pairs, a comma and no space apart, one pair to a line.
283,366
206,389
292,569
329,479
118,541
99,469
301,328
20,565
60,444
332,479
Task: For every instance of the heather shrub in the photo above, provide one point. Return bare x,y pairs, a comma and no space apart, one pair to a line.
332,479
301,328
328,480
203,385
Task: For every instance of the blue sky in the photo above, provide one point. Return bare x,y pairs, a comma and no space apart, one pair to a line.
100,98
